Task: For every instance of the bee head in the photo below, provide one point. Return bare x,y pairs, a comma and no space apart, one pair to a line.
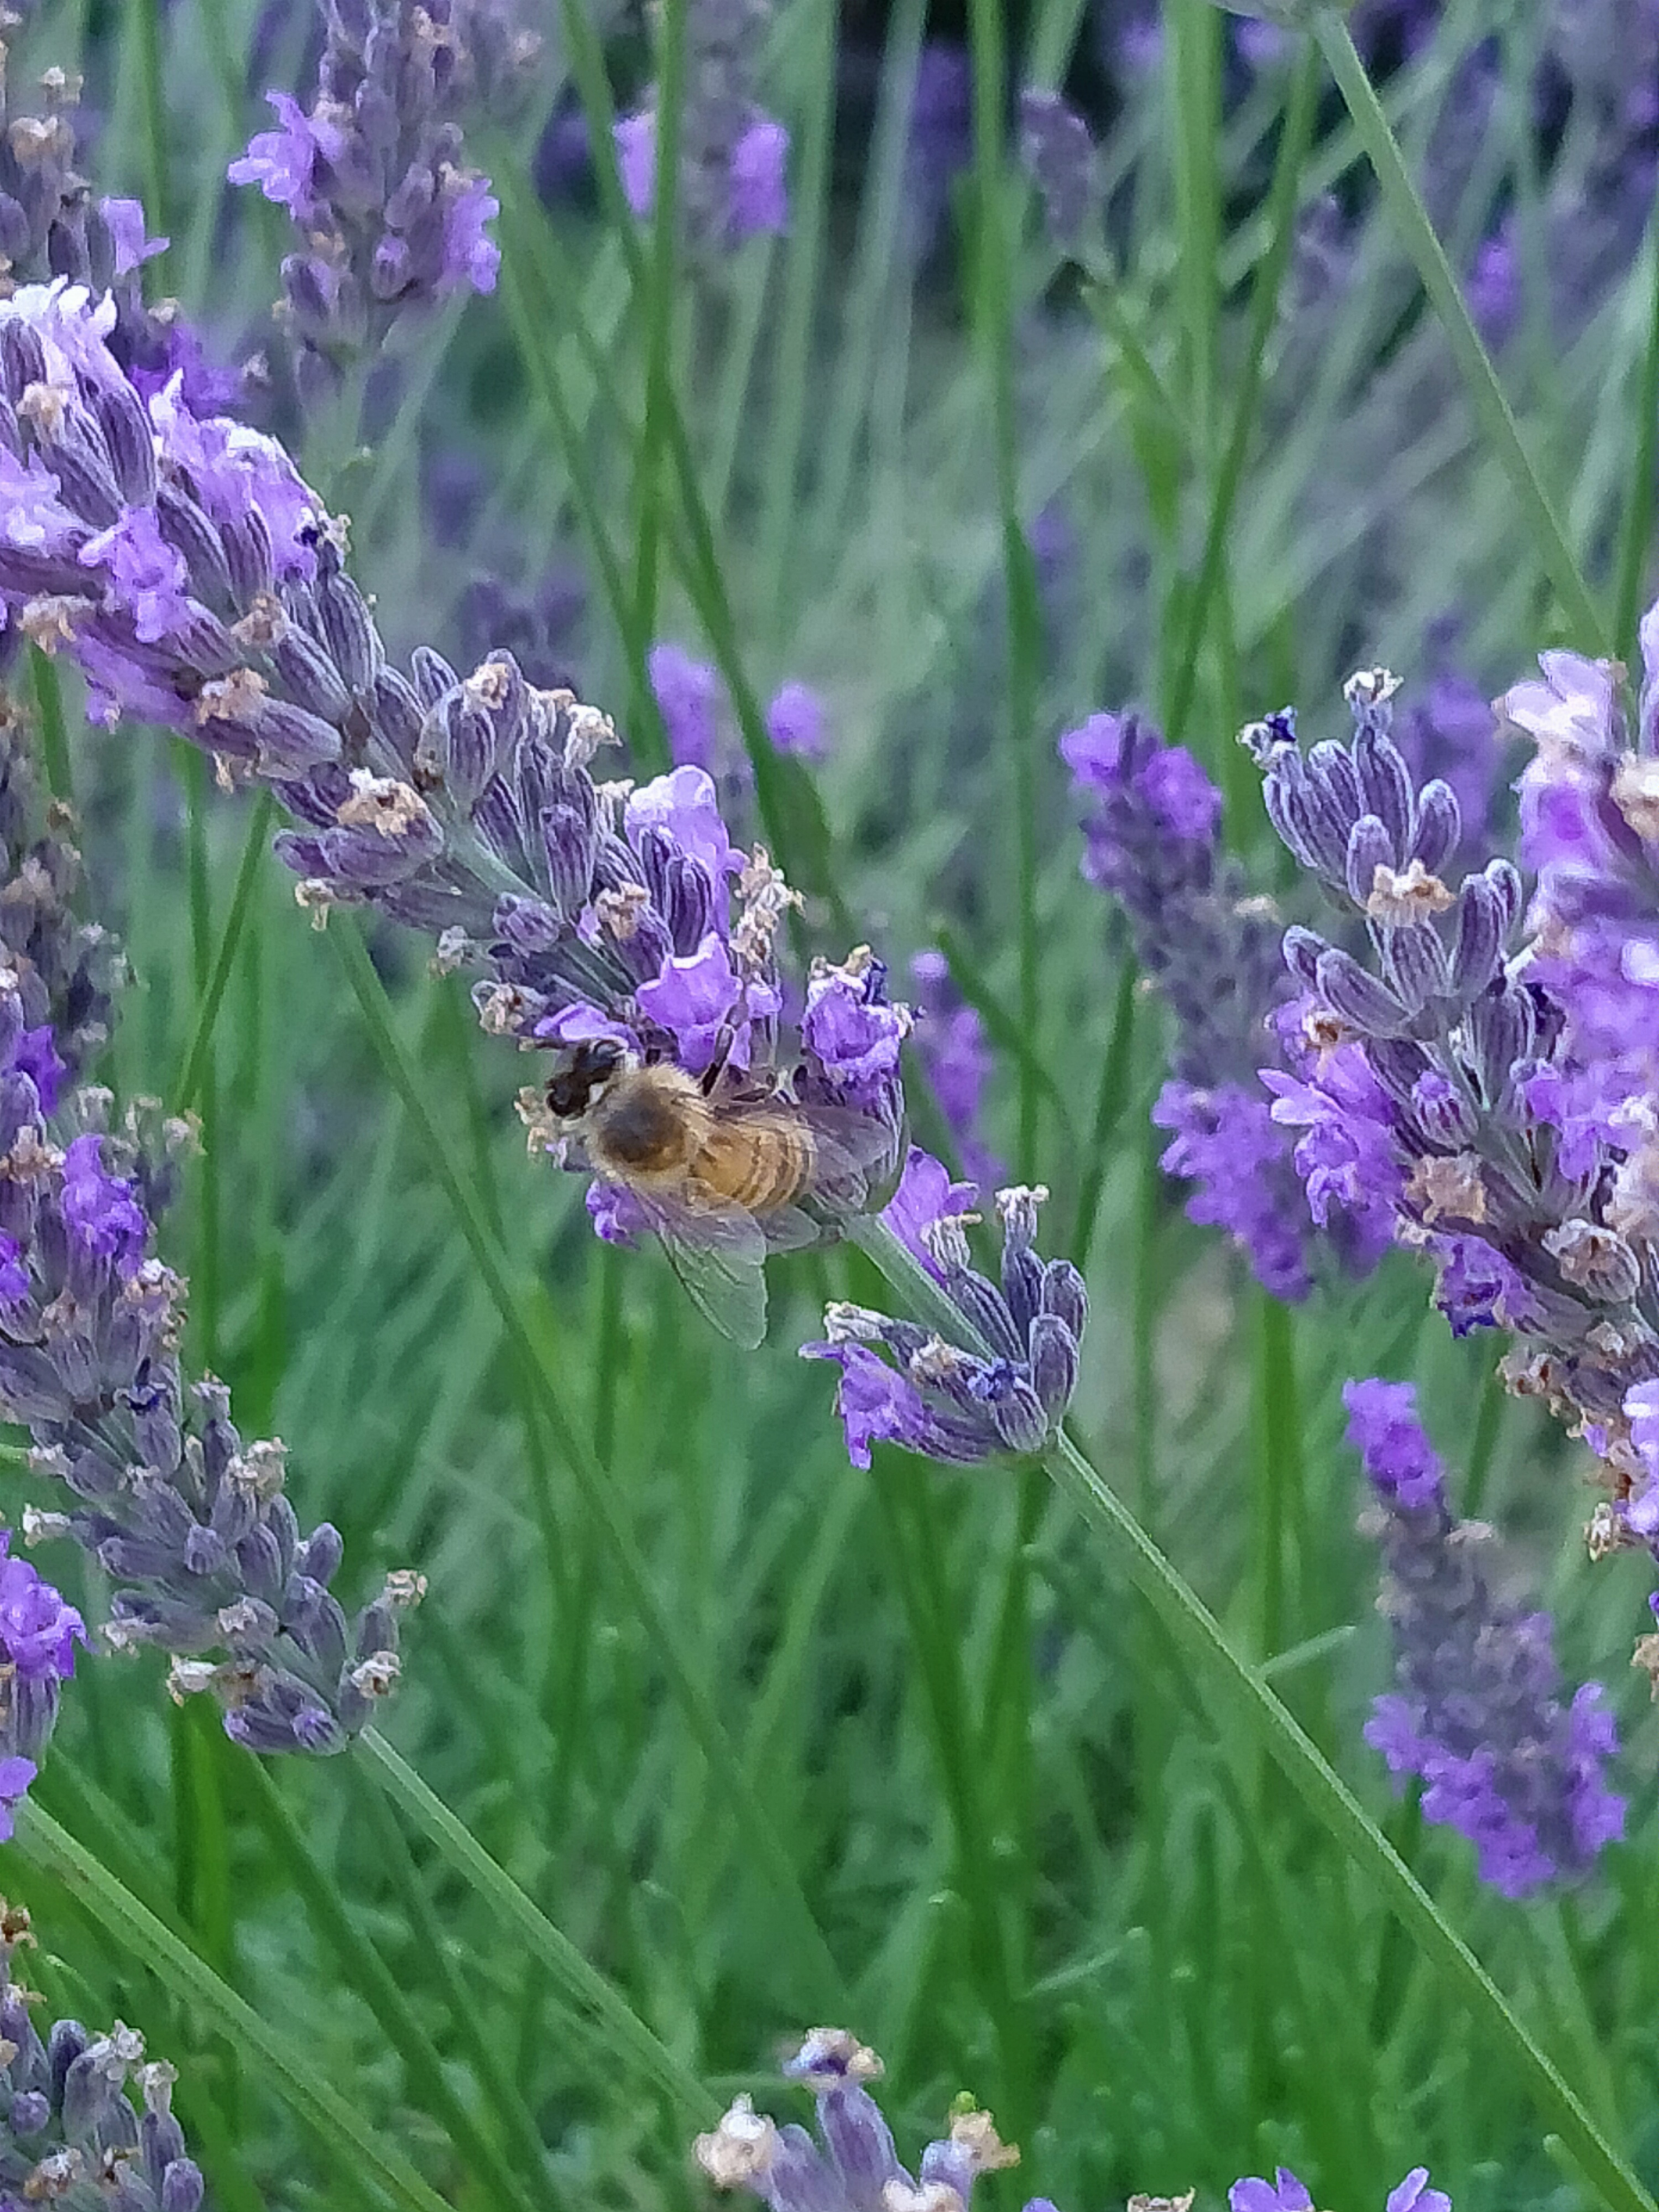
591,1067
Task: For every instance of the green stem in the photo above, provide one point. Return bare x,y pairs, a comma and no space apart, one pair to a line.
194,1069
1492,409
1235,1692
1294,141
54,735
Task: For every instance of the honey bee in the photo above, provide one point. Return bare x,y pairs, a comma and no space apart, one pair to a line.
723,1169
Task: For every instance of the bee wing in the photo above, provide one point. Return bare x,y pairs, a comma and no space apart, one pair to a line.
719,1254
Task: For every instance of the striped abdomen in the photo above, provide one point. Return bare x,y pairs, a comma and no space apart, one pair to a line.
758,1161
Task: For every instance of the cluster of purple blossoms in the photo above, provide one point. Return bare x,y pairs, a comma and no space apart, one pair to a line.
1005,1386
1151,828
69,2135
374,173
189,1524
1477,1713
1495,1111
854,2167
951,1043
734,157
197,583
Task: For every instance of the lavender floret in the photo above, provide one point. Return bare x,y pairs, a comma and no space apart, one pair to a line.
1005,1387
1477,1712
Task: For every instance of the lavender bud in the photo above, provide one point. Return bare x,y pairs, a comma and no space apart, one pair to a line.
1414,962
1387,785
1369,848
1357,997
1055,1363
1439,826
1478,949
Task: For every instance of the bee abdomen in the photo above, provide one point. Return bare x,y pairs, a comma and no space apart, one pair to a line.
763,1171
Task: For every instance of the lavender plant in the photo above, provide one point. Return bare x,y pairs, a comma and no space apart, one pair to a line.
374,172
1490,1110
198,583
38,1636
70,2134
1477,1713
952,1046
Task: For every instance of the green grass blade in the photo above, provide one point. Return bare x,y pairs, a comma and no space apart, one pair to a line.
1636,539
1492,409
194,1070
373,1980
580,1987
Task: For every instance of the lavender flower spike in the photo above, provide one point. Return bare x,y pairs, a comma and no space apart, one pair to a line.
855,2167
1005,1387
1486,1107
733,165
1151,832
374,172
1477,1713
70,2135
189,1523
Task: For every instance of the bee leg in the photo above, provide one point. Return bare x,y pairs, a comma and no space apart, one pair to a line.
724,1041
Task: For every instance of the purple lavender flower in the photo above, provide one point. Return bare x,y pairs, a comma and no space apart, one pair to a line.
690,697
1006,1387
1151,838
950,1041
1285,2193
374,172
1477,1713
70,2134
38,1636
797,722
733,165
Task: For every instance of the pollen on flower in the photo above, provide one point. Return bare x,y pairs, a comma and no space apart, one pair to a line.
620,911
1449,1187
264,625
1369,687
233,698
377,1675
1400,896
1595,1260
189,1678
1181,2203
975,2132
930,2196
829,2056
741,2149
404,1589
383,803
48,621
